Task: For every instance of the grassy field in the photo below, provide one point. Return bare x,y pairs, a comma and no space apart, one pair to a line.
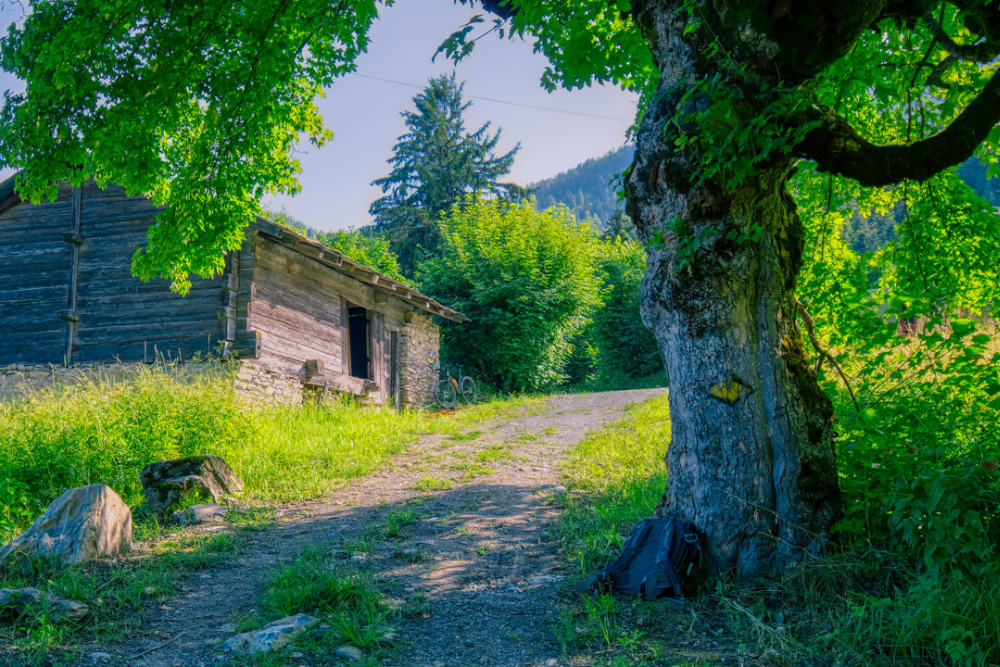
106,430
868,603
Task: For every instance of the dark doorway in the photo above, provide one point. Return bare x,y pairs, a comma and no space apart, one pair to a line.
358,324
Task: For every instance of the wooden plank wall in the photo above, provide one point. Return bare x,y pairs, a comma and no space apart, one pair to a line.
34,280
122,317
297,308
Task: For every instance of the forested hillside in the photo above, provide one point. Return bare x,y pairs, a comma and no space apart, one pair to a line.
586,189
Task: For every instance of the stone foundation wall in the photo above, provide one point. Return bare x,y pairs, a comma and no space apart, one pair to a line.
19,379
259,387
419,340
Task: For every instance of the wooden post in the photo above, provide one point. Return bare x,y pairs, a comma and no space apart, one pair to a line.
394,368
75,239
345,338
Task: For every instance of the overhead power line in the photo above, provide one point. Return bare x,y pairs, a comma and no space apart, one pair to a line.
567,112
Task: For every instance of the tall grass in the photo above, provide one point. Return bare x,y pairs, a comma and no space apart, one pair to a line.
106,430
878,603
622,472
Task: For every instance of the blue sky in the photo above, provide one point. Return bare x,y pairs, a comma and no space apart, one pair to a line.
364,113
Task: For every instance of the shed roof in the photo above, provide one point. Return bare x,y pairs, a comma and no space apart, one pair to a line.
317,251
347,266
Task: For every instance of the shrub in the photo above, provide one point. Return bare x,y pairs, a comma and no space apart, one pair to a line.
625,347
526,280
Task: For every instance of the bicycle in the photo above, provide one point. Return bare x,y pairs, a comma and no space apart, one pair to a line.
448,390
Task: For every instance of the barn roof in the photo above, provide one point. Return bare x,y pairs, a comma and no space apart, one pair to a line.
317,251
344,264
8,197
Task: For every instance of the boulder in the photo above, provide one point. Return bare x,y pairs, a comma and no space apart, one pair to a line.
166,482
81,525
272,636
19,602
197,514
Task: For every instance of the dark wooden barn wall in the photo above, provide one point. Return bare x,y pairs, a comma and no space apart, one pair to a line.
34,280
296,311
116,315
120,316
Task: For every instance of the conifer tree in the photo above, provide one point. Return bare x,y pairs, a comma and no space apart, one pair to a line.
434,166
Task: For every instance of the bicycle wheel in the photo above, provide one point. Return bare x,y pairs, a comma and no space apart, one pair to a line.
445,394
468,390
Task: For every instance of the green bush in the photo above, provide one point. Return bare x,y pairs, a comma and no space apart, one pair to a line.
625,347
526,279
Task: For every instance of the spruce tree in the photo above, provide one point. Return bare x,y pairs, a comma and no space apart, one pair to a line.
434,166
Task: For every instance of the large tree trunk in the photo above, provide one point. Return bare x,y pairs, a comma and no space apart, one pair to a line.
751,460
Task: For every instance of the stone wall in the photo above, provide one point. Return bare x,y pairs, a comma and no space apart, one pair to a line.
19,379
259,386
419,340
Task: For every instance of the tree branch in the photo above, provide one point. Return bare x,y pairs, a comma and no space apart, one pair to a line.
837,147
825,354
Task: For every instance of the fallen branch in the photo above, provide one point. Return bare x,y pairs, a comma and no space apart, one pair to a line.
157,648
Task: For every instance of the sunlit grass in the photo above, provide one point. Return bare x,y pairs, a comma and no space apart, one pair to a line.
106,430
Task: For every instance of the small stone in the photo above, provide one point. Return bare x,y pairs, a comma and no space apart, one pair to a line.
272,636
359,557
559,490
198,514
544,579
410,552
350,652
98,656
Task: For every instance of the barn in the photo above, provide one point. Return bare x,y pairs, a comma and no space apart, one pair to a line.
296,318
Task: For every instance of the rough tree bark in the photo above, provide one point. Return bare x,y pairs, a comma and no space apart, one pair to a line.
751,461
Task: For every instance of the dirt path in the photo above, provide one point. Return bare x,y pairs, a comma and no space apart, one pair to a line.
477,562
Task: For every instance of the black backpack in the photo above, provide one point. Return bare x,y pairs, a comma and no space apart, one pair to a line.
656,557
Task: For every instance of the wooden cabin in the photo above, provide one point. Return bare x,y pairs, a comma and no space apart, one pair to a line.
297,317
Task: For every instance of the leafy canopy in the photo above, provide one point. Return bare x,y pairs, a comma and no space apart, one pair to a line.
197,105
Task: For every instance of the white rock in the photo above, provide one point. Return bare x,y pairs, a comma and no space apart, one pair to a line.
272,636
98,656
197,514
81,525
350,652
32,601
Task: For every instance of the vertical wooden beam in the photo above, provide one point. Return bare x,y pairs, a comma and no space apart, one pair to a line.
75,239
230,303
394,368
345,338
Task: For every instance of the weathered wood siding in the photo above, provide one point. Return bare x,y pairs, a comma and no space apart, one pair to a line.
296,312
116,316
34,280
